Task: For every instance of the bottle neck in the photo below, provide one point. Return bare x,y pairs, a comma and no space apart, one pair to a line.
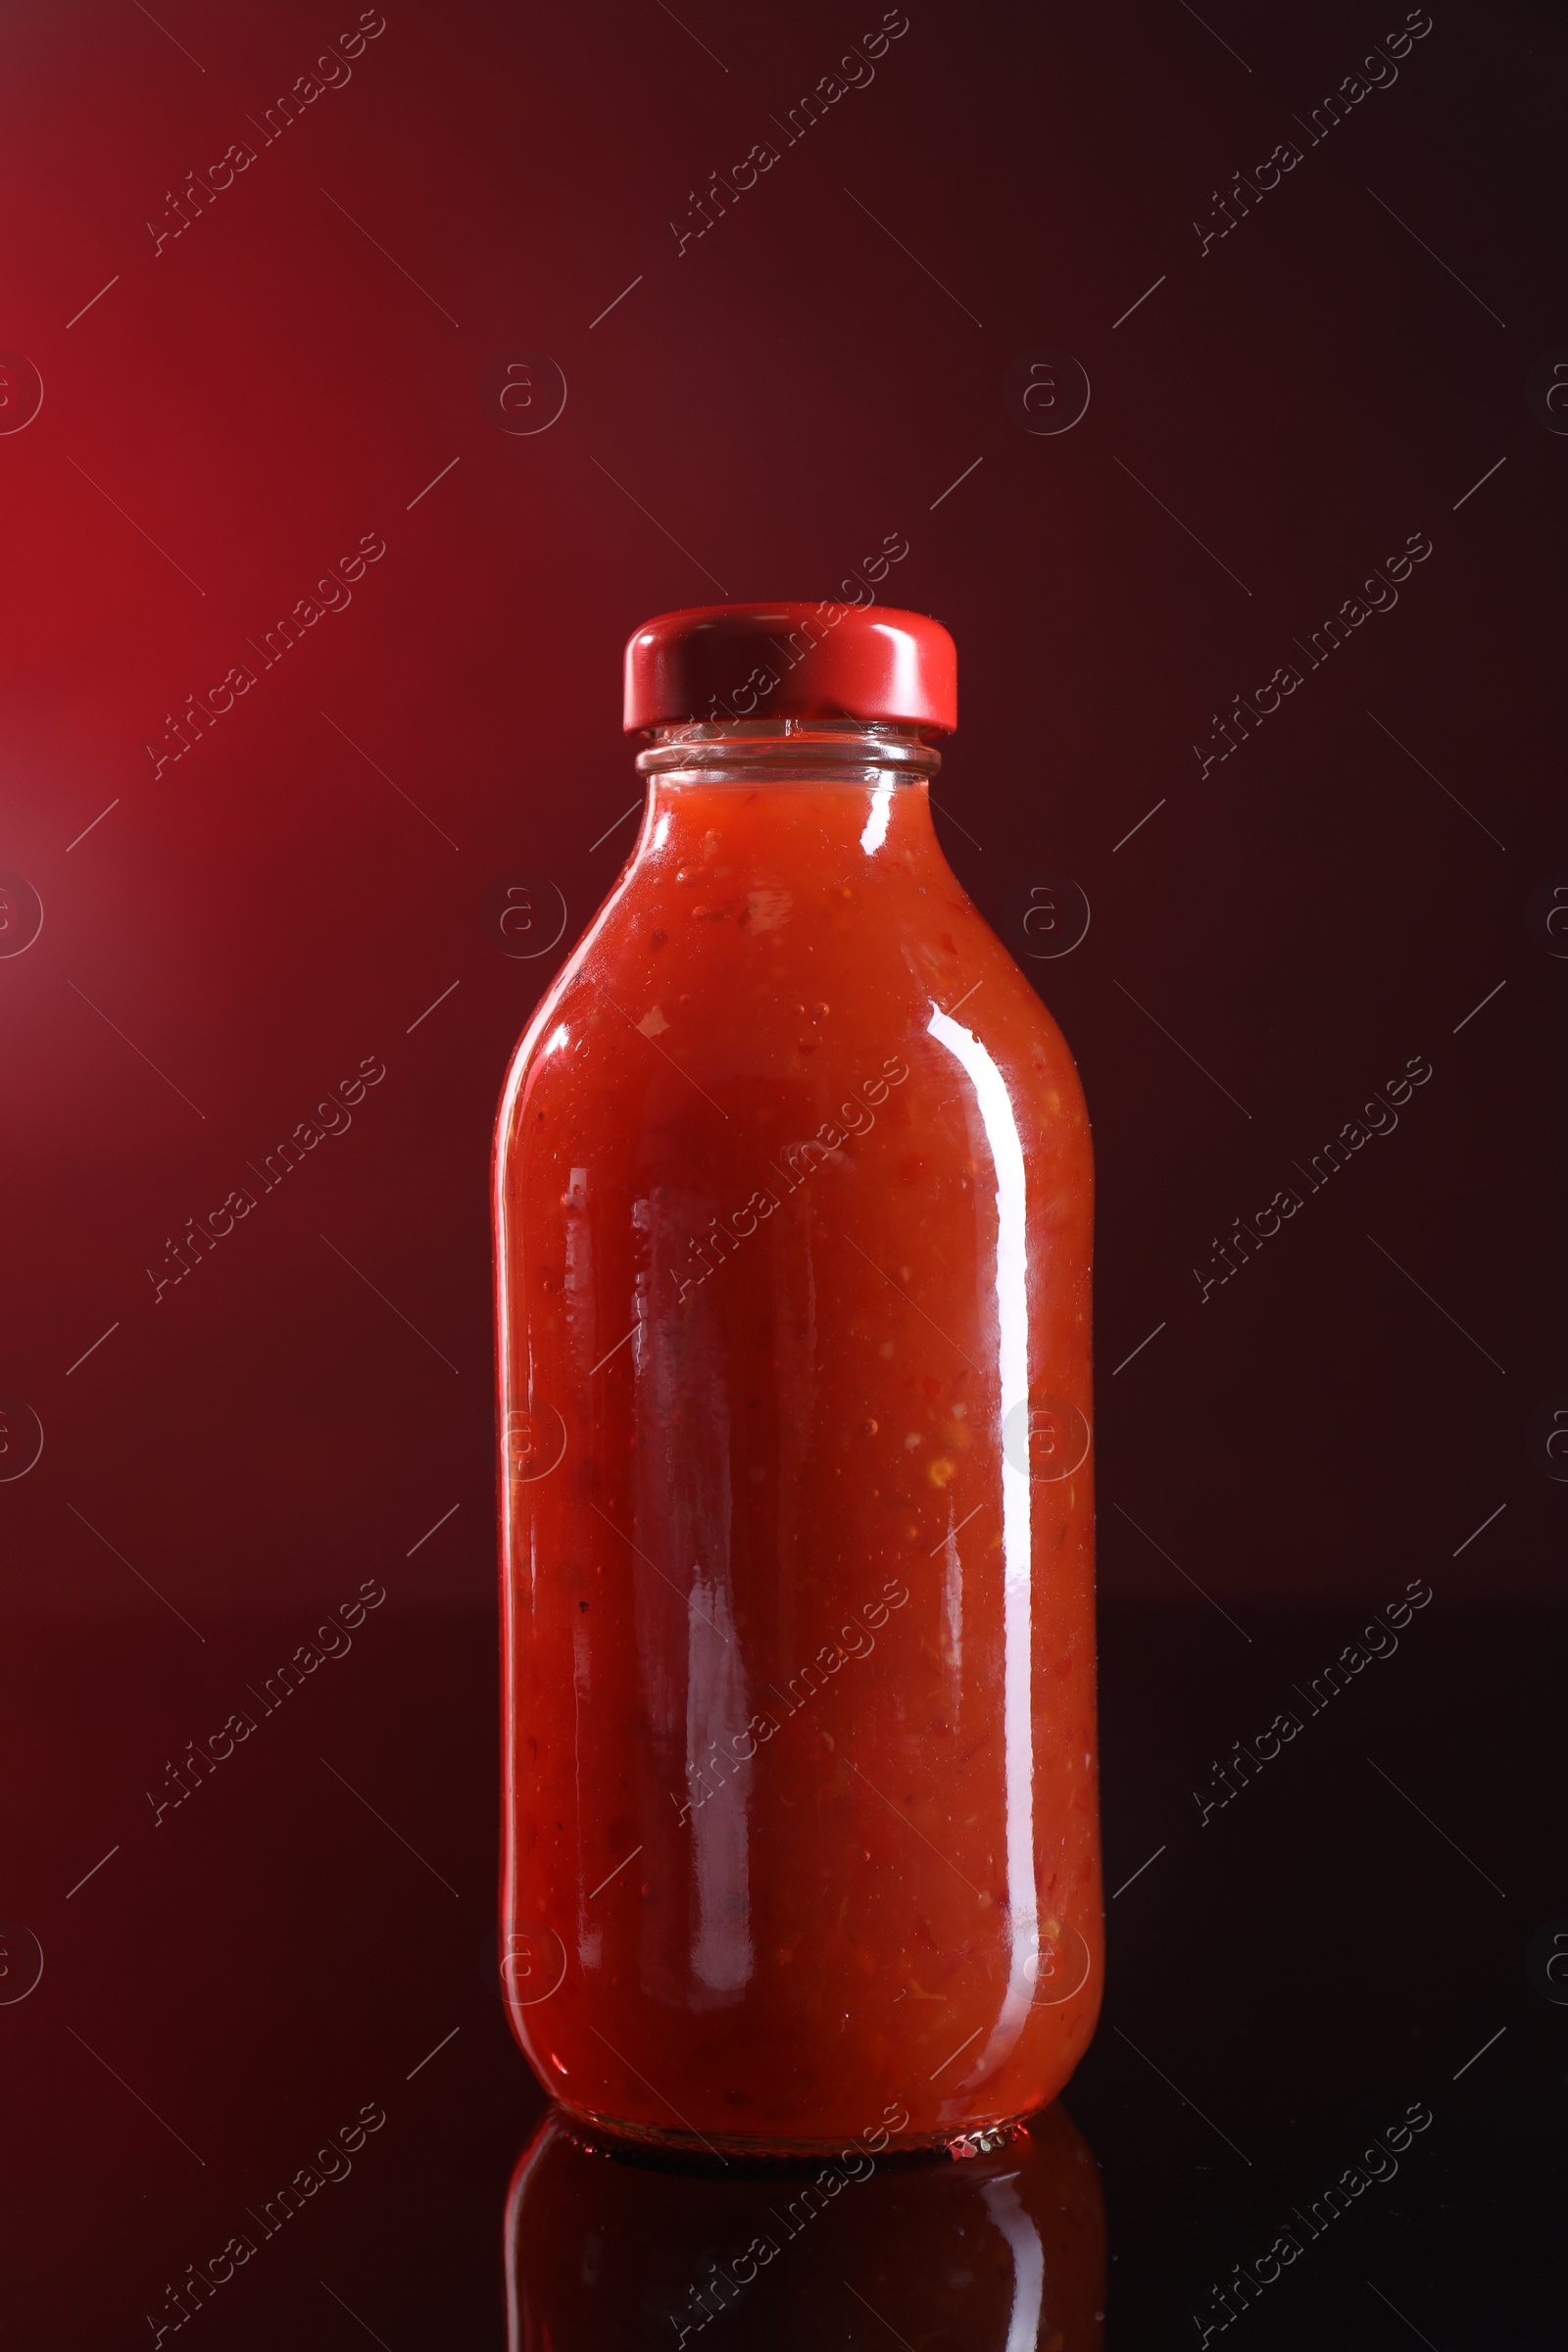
833,795
778,754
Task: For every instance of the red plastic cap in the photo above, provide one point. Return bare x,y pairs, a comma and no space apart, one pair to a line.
714,663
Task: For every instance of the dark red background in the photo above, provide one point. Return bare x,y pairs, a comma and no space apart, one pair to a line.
753,419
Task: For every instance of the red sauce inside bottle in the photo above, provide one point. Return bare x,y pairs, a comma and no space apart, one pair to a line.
794,1200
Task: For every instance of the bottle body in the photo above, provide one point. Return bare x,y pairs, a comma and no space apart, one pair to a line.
793,1206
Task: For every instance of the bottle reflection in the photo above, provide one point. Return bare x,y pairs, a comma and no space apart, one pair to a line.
609,2248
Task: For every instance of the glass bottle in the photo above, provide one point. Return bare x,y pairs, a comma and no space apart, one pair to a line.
793,1232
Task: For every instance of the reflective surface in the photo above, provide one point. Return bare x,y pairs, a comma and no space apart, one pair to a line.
223,1999
793,1201
610,2250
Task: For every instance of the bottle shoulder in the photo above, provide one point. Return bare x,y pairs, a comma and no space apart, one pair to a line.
744,1011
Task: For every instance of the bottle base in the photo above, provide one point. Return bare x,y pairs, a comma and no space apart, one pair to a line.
726,2148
